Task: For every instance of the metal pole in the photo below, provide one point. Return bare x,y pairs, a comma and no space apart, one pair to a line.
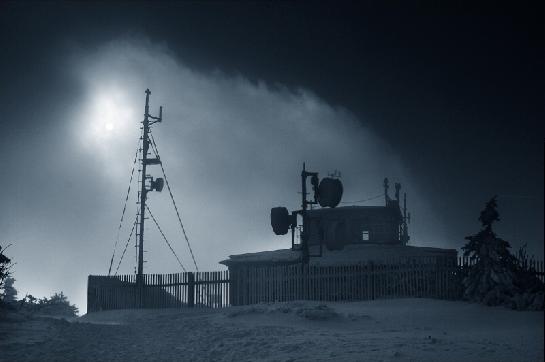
386,196
405,231
304,240
143,192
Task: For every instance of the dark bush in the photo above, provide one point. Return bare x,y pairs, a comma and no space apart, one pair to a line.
57,305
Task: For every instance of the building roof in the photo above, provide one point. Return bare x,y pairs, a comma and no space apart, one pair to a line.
351,254
352,209
357,211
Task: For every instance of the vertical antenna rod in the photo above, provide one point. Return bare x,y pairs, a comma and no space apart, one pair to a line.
304,207
143,190
304,243
386,187
405,236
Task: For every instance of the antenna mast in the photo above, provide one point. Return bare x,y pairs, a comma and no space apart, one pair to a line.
304,206
405,235
155,185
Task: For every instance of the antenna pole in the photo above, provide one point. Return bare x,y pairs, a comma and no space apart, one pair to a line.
143,191
405,235
386,196
304,214
304,207
304,188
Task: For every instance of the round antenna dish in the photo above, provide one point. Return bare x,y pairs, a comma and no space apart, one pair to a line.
158,184
330,192
280,220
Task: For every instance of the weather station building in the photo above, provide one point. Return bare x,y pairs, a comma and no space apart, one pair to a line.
348,235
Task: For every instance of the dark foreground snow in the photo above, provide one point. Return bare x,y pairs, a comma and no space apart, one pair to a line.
381,330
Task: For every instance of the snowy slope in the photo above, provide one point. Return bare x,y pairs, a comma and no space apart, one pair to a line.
381,330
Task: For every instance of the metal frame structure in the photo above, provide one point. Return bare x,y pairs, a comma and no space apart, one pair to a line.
145,161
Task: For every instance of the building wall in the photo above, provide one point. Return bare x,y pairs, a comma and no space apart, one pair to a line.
342,226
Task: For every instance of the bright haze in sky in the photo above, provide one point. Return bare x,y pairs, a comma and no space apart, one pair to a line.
231,148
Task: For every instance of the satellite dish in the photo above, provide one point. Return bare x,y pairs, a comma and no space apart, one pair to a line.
280,220
330,192
158,184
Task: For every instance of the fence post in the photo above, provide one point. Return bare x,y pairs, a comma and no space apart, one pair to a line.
91,295
190,289
372,274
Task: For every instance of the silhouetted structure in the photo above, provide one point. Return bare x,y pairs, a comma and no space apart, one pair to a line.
366,256
156,185
336,227
336,236
146,184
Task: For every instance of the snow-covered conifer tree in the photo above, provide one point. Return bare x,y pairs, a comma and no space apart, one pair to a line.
496,278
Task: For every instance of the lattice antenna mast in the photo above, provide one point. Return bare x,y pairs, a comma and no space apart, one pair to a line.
154,185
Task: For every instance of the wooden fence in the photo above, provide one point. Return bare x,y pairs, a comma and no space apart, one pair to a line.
432,278
201,290
421,277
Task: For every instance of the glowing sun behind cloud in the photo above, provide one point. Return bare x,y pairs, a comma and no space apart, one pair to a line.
107,119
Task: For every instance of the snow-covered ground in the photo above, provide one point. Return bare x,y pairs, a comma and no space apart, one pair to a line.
381,330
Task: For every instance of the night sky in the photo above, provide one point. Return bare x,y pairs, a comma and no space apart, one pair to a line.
446,99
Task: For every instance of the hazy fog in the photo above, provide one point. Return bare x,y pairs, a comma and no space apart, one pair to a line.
231,149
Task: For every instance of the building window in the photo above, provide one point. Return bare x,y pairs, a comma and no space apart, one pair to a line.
365,235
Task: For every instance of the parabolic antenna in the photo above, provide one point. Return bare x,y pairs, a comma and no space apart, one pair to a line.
280,220
330,192
158,184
